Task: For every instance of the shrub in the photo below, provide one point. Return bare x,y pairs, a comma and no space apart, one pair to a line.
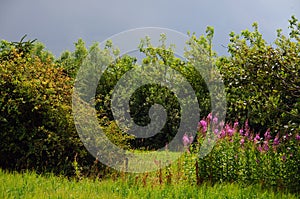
37,128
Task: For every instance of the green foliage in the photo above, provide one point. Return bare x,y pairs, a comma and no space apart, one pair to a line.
148,95
40,51
37,128
20,48
71,61
262,81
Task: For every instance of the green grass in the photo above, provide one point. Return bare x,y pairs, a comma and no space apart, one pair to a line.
31,185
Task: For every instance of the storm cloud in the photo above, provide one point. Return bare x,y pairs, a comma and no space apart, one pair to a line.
59,23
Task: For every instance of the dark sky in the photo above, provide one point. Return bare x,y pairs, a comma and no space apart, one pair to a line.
59,23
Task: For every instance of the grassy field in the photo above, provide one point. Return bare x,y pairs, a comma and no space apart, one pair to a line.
30,185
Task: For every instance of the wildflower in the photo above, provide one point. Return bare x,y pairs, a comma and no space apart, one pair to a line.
185,140
191,139
222,134
247,128
209,116
242,141
257,138
221,124
297,137
216,131
203,124
236,124
276,141
215,120
241,132
229,130
266,146
246,134
260,149
267,135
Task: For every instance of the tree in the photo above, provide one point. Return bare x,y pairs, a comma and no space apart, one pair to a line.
262,81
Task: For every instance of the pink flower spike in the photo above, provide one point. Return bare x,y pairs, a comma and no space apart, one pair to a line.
246,124
257,138
203,124
209,116
266,146
185,140
236,124
242,141
222,124
215,120
229,130
247,128
191,138
297,137
241,132
222,134
259,148
216,131
276,140
267,135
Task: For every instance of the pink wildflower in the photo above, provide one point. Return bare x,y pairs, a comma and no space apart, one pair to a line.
267,135
216,131
242,141
185,140
203,124
257,138
229,130
222,134
215,120
266,146
236,124
191,139
241,132
221,124
276,141
259,148
209,116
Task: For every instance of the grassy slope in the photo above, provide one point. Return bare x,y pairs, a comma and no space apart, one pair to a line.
30,185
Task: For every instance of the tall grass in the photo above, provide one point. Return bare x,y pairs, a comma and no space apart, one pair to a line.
30,185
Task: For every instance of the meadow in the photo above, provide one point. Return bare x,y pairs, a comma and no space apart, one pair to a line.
29,185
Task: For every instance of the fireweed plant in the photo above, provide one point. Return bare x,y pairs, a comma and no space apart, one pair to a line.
243,156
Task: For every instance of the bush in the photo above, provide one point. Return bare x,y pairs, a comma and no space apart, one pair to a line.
37,128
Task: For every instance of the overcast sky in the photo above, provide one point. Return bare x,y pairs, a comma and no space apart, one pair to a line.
59,23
